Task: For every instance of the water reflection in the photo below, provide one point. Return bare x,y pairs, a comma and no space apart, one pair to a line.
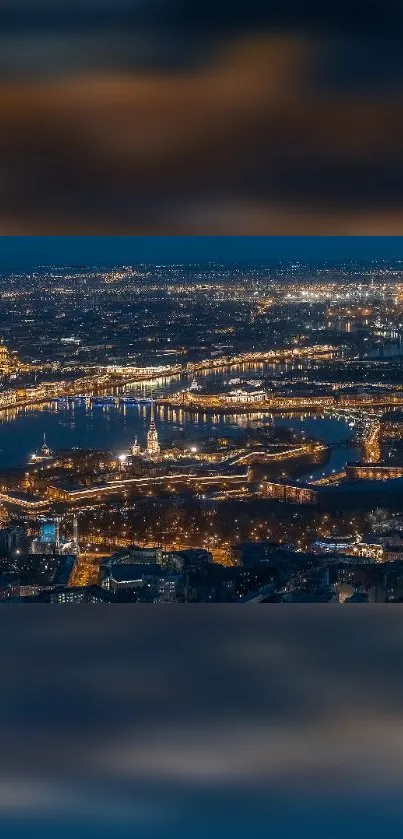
71,424
113,424
85,424
332,431
394,349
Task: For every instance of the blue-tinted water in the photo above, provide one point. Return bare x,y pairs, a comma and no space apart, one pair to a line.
328,430
76,424
108,427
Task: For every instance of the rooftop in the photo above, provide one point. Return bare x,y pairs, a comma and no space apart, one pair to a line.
135,572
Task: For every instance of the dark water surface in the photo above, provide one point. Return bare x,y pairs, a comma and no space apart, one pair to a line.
77,424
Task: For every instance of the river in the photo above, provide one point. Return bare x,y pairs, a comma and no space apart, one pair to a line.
87,425
77,424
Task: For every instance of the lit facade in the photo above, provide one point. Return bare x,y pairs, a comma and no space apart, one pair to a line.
42,454
153,446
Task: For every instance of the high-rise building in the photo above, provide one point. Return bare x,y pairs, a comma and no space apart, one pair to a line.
153,446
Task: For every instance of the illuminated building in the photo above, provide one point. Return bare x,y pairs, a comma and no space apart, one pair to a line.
8,398
135,448
49,537
24,501
349,547
4,354
43,454
49,531
8,362
194,385
373,471
278,490
153,446
245,396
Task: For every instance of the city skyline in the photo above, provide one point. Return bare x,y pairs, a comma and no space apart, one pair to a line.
223,430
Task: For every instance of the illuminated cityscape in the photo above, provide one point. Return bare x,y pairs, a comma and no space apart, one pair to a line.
202,431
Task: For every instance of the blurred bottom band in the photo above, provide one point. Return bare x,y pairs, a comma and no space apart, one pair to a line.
277,721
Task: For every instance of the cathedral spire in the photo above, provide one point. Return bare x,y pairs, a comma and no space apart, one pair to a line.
153,446
152,416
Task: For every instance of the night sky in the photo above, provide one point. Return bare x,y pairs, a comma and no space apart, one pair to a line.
30,252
